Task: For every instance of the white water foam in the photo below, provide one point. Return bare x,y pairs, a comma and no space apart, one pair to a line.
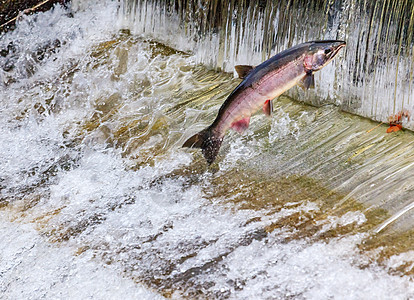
32,143
32,268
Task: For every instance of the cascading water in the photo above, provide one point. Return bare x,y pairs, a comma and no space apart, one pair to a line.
99,200
374,77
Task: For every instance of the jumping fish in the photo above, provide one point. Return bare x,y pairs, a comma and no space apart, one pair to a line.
260,85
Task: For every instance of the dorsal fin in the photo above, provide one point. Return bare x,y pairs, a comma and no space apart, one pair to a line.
243,70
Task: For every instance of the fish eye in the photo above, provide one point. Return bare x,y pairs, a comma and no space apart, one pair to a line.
328,50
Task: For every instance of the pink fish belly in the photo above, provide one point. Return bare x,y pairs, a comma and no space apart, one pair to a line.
252,99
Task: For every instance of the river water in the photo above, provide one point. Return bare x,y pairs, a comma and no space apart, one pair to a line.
98,199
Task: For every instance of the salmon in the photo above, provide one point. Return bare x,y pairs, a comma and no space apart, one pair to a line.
260,85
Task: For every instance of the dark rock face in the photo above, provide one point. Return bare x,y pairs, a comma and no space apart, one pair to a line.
10,9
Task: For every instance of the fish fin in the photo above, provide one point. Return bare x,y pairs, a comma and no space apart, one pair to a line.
268,107
243,70
208,141
241,125
308,82
196,141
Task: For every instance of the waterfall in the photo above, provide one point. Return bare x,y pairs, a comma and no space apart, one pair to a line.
99,200
373,77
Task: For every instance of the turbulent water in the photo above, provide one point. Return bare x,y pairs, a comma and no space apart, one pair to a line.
98,199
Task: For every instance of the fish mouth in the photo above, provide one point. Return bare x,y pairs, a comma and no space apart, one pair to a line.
338,45
334,45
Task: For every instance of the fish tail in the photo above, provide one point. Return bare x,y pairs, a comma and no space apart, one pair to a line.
208,141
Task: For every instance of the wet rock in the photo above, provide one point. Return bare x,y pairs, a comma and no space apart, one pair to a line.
10,9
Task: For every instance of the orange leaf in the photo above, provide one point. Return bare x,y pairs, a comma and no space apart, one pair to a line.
394,128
